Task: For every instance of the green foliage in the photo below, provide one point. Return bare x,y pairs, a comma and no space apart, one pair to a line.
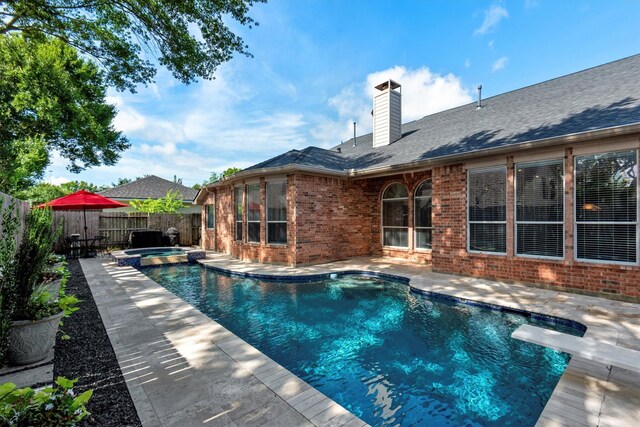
171,203
51,99
9,226
121,181
189,37
43,192
214,177
51,406
31,260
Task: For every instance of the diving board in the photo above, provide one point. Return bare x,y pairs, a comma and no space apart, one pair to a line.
584,348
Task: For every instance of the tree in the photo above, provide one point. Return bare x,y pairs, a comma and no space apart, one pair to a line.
214,177
43,191
121,181
189,37
51,99
230,171
171,203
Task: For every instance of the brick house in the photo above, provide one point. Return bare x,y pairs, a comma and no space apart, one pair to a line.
538,185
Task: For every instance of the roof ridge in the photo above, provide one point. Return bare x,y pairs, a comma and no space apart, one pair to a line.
509,92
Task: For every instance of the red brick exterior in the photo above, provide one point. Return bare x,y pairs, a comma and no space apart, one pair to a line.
333,218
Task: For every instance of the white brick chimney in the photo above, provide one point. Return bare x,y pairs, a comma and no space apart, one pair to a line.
387,114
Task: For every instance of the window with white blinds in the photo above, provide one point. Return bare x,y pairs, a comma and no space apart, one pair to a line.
539,212
238,212
606,207
253,213
422,218
487,212
277,212
395,216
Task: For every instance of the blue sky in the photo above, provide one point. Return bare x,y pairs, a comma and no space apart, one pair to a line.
315,63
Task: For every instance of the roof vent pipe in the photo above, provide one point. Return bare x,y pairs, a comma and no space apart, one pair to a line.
479,97
354,134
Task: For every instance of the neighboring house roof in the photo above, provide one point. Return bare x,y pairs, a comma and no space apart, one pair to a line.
150,187
598,98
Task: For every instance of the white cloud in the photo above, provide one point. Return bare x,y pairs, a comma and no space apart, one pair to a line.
467,63
492,18
490,44
500,64
57,180
423,92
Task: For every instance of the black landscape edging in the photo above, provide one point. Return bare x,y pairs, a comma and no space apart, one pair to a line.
89,356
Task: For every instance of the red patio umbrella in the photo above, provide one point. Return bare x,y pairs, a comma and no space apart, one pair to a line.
84,200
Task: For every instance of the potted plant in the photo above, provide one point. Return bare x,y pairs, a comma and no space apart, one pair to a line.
36,311
51,406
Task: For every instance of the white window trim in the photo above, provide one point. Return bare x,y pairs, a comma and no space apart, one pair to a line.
259,216
382,226
235,213
515,210
485,169
415,227
266,207
575,208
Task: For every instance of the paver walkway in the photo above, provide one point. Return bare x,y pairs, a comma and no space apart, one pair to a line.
182,367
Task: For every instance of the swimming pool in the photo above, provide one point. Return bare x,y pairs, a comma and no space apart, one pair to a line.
388,355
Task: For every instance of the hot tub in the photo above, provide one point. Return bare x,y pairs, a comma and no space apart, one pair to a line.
157,256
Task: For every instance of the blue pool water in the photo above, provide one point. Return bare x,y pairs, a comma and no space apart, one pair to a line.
388,355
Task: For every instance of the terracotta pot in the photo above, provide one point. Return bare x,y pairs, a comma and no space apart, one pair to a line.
30,341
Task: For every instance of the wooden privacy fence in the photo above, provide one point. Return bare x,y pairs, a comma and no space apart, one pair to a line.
116,226
21,207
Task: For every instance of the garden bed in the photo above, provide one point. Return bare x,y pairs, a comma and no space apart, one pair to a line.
88,356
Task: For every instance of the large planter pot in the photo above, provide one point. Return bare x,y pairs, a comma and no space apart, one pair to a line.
53,288
30,341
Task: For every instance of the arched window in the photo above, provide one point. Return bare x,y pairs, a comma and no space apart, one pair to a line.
422,218
395,216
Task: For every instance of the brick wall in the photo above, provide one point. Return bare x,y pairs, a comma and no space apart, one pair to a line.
450,234
223,238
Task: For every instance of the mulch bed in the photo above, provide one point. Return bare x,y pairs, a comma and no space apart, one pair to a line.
88,356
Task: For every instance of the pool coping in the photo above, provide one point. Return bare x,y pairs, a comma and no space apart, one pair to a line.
313,406
588,393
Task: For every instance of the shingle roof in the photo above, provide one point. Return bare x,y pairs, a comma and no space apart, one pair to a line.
597,98
150,186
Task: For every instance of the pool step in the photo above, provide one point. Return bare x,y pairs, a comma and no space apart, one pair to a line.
585,348
159,260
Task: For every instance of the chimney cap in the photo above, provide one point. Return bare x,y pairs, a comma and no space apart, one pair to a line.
385,85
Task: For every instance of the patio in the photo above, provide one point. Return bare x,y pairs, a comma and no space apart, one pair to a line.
183,368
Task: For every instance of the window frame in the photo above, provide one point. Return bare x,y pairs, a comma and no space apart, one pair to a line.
575,208
502,168
266,206
515,210
252,184
235,212
382,226
415,227
213,209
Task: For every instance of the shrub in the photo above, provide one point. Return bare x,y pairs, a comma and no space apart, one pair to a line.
52,406
31,259
10,224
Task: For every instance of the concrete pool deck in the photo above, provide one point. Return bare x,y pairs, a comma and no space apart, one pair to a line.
183,368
